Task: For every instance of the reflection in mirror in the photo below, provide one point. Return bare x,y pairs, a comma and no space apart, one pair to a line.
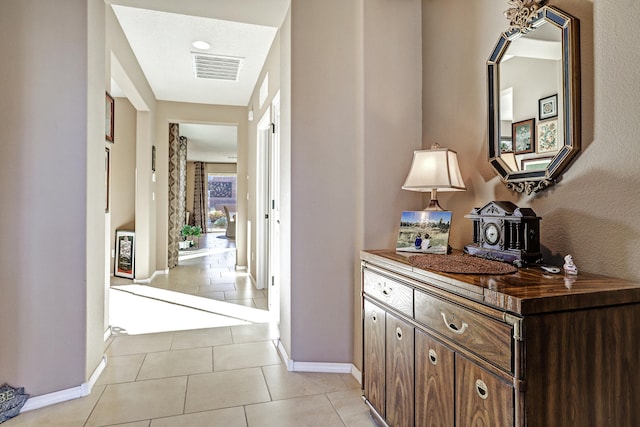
534,100
531,69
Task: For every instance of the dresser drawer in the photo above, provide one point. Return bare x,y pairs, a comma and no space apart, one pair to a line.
389,291
486,337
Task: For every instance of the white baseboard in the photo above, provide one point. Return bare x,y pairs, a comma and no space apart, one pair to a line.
285,357
326,367
330,368
107,334
82,390
355,372
253,280
153,276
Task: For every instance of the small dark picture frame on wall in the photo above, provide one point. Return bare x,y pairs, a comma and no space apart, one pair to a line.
548,107
109,117
153,158
523,134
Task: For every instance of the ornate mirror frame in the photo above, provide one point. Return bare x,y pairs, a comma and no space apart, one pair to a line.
525,16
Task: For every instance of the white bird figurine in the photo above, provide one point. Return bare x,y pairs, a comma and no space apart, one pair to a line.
569,266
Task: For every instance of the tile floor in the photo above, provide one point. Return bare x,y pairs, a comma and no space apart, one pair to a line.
226,376
209,272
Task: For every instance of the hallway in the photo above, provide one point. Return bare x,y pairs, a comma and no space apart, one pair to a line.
225,376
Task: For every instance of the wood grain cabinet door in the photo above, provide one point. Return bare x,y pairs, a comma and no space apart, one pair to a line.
400,346
374,356
481,398
434,399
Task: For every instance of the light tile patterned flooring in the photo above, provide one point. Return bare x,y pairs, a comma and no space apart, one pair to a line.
210,274
227,376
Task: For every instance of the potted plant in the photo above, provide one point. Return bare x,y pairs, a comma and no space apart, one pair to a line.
191,233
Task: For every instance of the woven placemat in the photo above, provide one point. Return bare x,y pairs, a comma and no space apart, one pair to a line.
465,264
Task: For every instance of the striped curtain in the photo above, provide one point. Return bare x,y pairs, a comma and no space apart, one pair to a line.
200,196
177,191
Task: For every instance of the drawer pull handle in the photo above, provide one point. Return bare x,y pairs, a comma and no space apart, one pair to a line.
386,291
452,327
399,333
374,317
433,356
481,389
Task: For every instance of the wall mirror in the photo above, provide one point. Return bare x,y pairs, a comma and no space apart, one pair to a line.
534,96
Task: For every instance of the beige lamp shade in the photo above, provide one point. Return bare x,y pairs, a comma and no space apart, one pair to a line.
434,170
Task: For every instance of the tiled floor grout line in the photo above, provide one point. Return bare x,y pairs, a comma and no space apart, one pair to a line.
186,390
264,377
93,408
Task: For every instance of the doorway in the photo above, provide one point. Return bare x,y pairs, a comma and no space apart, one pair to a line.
268,206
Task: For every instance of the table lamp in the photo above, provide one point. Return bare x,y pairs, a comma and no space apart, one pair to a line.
433,170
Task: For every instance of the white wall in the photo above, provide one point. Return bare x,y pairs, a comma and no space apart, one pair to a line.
123,68
96,246
285,181
587,213
391,127
271,68
355,120
51,264
123,171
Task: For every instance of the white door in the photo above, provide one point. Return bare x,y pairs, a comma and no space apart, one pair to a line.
263,201
274,217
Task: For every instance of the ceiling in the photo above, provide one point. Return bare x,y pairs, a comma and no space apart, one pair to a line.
161,33
211,143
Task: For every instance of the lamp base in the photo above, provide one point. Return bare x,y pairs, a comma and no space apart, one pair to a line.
433,206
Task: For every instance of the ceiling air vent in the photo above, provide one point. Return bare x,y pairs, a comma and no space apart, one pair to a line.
217,67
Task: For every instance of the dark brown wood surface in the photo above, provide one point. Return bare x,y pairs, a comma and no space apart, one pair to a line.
472,410
486,337
528,291
374,360
390,292
435,375
582,368
399,375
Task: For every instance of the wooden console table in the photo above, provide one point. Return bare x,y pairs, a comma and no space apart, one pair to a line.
524,349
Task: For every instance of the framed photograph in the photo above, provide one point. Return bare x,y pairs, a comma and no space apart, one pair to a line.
424,232
125,254
153,158
109,117
523,134
548,107
506,144
536,163
547,137
107,176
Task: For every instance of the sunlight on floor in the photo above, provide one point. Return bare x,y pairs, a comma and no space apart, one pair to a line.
138,309
203,291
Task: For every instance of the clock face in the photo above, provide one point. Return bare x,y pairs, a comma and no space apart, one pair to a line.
491,234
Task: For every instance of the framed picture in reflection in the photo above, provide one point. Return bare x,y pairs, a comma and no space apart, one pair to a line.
548,107
523,134
547,137
536,163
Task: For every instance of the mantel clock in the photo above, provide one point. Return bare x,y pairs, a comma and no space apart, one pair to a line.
502,231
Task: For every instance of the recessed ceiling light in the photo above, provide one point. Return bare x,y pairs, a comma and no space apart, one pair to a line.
200,44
